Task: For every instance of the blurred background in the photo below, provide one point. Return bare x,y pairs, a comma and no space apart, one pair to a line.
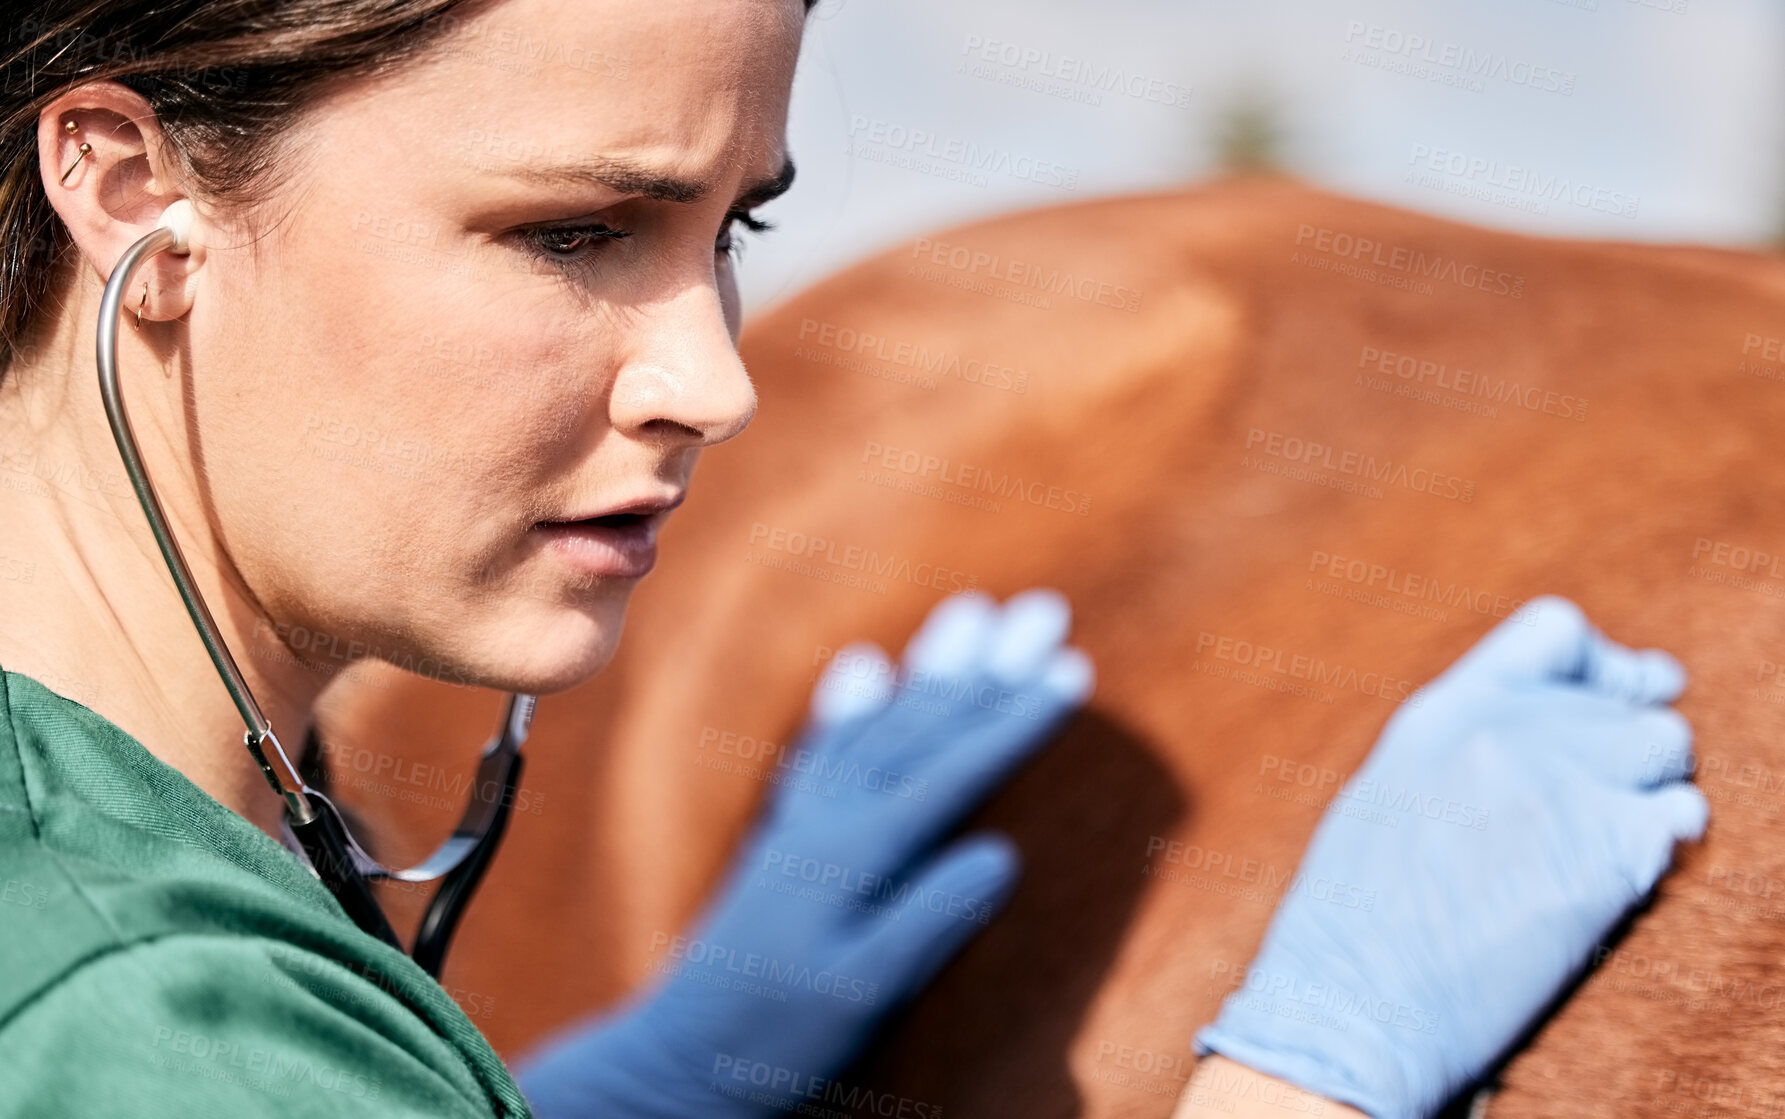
1647,120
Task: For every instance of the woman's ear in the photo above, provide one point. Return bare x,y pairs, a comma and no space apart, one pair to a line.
109,173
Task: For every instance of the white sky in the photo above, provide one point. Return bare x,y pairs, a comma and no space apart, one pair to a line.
1673,114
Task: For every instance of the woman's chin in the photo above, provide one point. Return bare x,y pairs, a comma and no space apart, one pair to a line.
561,676
544,659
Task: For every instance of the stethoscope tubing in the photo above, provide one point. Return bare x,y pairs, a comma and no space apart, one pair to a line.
335,857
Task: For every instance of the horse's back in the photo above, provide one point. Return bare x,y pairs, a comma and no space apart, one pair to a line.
1288,454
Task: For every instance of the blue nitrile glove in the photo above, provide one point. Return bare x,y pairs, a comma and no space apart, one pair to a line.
1509,815
842,903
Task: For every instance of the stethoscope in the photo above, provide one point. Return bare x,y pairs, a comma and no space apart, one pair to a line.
334,856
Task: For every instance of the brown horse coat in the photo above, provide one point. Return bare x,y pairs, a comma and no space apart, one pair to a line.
1288,454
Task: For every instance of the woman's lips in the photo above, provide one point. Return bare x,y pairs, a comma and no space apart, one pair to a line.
622,546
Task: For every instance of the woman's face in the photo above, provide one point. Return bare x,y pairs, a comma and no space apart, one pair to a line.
451,385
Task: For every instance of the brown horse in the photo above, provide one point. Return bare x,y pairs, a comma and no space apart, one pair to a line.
1288,454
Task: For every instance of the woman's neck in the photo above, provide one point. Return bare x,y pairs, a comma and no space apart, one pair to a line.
87,606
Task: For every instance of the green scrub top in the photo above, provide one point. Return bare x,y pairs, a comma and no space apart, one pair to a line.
160,956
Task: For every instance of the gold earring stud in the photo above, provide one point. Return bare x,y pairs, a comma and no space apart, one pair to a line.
86,150
140,304
71,127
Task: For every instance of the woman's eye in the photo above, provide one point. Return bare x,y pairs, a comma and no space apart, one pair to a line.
728,241
572,244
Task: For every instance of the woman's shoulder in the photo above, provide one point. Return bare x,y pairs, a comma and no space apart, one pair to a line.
194,1025
140,919
102,844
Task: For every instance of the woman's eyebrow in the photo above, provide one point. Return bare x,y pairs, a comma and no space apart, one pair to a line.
769,189
625,176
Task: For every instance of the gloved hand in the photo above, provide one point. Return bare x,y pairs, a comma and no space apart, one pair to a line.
838,908
1501,826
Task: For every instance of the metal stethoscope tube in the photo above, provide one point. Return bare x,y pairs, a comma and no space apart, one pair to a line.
337,859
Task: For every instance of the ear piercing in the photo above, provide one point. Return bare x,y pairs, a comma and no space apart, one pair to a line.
140,304
86,149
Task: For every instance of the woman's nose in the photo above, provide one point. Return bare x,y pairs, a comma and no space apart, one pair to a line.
683,378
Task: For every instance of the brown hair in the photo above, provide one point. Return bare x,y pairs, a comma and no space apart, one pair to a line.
226,79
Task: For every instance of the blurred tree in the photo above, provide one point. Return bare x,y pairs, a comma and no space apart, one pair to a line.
1250,137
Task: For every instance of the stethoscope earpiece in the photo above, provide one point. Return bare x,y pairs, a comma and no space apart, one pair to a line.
340,862
177,219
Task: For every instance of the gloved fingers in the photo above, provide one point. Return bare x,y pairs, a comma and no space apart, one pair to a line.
937,745
991,728
1550,639
1031,629
1070,675
954,639
858,681
944,904
959,633
938,768
1650,823
1619,745
1542,639
962,636
1659,752
1645,676
997,723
